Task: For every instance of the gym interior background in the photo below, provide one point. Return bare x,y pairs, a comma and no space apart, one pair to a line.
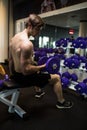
42,114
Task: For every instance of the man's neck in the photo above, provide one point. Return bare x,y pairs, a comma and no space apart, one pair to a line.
27,32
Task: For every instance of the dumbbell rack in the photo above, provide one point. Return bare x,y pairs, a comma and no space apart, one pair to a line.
81,73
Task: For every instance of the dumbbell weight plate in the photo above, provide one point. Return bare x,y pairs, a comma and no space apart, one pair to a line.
81,88
74,77
66,74
53,65
42,60
65,82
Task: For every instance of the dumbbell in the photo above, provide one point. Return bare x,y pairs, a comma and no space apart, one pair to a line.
1,83
57,43
71,77
71,63
68,62
66,74
63,42
52,64
76,56
39,53
85,81
79,38
6,78
75,44
74,77
65,82
65,79
81,88
82,59
83,44
75,63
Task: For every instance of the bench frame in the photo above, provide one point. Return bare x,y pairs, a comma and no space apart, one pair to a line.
13,107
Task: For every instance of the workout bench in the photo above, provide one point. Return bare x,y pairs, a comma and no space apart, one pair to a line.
11,89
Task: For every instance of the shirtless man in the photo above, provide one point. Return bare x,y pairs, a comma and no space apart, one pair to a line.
21,62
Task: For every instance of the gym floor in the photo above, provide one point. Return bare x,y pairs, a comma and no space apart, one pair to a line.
42,114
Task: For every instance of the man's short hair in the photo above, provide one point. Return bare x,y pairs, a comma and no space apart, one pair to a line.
35,21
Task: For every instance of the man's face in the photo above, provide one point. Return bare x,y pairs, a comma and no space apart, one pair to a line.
36,30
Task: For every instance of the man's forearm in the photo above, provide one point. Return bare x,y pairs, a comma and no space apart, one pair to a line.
33,68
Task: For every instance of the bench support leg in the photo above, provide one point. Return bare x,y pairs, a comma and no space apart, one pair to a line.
13,107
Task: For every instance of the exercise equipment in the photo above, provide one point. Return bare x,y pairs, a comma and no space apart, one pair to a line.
6,78
82,59
75,44
66,74
74,77
68,62
81,88
75,63
39,53
10,88
42,60
65,82
72,62
83,44
57,43
85,81
62,42
71,77
52,64
79,38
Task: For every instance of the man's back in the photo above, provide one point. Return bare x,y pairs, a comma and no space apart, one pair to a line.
18,42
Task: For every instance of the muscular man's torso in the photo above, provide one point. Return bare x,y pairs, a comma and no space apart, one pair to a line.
16,45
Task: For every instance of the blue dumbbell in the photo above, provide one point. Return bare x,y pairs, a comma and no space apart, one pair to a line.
65,82
81,88
74,77
52,64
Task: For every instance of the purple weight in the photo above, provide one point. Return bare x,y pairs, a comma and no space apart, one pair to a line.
85,81
81,88
42,60
68,62
75,63
57,43
75,44
79,38
66,74
64,43
53,65
65,82
74,77
83,59
83,44
1,83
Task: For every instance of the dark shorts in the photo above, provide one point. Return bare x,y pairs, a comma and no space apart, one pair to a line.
36,79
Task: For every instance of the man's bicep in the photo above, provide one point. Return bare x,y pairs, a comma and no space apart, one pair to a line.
24,57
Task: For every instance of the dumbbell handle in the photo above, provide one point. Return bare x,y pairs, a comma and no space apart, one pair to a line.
41,67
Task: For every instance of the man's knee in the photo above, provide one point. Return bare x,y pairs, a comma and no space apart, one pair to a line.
55,78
